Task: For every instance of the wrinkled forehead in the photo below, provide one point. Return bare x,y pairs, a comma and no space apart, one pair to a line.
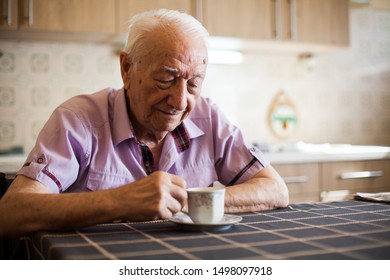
170,42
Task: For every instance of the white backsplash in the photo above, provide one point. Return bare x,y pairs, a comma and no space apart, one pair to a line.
343,98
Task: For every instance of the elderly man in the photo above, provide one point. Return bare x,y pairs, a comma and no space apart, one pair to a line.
131,153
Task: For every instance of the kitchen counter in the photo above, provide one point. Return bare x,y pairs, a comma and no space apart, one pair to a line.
328,153
10,164
301,152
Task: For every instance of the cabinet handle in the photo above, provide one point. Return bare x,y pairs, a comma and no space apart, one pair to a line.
28,16
30,12
295,179
7,17
293,19
278,19
360,174
9,12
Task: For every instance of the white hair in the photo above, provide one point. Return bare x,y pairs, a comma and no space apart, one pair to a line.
143,24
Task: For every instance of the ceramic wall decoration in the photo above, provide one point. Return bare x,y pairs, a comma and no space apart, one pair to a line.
282,116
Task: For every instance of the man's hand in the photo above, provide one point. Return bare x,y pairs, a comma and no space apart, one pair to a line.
157,196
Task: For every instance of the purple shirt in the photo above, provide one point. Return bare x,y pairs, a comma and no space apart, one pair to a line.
88,144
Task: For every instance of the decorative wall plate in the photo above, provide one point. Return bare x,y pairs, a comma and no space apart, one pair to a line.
282,116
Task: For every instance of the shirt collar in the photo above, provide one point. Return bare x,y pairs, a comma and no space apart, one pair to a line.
192,129
122,129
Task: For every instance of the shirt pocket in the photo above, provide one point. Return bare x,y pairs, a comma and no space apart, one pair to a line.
102,180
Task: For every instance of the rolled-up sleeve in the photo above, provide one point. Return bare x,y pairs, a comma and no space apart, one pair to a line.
60,148
236,160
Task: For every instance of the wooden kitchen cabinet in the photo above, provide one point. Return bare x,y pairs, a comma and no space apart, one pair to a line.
334,181
354,176
302,180
92,16
9,14
128,8
251,19
320,22
303,21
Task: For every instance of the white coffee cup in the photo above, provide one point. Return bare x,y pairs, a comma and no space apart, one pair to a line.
206,205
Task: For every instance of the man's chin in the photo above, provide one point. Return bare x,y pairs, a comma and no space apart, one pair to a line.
170,123
172,127
167,128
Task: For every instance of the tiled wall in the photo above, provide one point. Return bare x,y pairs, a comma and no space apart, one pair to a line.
35,77
343,98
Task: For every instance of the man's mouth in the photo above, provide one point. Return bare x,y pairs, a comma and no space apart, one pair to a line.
172,112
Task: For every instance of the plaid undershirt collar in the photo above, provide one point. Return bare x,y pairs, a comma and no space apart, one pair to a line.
182,139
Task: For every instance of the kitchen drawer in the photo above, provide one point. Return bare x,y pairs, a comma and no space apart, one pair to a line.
356,176
302,181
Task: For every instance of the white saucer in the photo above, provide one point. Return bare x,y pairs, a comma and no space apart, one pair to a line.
185,222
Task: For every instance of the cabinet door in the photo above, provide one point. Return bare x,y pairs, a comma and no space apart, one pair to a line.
128,8
305,21
68,15
302,181
320,22
251,19
9,14
356,176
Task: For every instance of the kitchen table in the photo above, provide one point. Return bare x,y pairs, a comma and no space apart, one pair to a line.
333,230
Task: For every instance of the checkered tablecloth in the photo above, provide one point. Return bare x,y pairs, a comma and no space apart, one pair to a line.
336,230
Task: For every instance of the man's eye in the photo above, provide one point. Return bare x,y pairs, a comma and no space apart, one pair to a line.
193,84
165,83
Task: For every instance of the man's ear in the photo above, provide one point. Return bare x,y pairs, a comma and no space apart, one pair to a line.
125,67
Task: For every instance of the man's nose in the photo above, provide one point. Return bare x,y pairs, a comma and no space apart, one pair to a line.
178,96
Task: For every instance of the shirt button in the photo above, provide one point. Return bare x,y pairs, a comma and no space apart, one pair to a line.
147,164
40,160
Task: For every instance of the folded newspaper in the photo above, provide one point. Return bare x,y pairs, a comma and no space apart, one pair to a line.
379,197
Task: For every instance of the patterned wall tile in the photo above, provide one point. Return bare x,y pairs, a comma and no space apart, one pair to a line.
364,20
40,96
382,22
7,63
383,48
73,63
7,131
40,63
105,65
7,97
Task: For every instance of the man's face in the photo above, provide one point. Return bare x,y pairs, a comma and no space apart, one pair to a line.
167,82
